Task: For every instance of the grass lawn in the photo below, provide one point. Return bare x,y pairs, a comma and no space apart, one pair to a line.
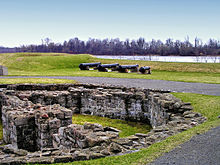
35,81
127,128
57,64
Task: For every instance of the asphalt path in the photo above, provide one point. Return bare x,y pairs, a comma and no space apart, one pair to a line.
201,88
202,149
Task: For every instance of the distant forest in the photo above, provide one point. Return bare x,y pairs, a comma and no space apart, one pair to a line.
127,47
8,50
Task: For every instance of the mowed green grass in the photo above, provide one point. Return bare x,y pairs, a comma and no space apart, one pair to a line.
127,128
35,81
58,64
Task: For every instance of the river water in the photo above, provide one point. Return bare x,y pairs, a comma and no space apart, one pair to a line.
200,59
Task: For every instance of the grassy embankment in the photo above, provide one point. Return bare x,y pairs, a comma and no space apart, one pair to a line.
53,64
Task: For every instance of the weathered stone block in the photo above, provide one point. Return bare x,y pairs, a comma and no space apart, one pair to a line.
85,136
54,124
3,71
63,159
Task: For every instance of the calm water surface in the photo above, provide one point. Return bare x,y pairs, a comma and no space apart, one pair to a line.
203,59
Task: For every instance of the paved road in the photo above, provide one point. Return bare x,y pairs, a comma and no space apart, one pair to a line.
201,88
202,149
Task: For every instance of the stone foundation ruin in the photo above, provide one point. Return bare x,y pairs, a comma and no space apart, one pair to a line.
37,120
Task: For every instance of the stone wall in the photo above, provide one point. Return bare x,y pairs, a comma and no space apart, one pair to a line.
63,98
48,120
149,106
31,126
1,101
18,124
111,103
99,102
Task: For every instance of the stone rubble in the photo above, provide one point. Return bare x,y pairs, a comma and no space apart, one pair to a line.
37,121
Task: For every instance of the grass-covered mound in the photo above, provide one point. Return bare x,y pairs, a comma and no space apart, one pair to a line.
58,64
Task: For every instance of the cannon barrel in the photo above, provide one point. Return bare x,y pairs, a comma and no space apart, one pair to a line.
144,69
85,66
128,66
124,68
103,67
108,65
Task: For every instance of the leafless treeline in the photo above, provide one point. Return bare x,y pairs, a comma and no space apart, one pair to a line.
128,47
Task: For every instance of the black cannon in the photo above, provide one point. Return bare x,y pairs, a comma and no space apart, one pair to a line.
125,68
103,67
86,66
145,69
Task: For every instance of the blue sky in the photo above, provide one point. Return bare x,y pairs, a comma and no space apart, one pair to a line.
29,21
